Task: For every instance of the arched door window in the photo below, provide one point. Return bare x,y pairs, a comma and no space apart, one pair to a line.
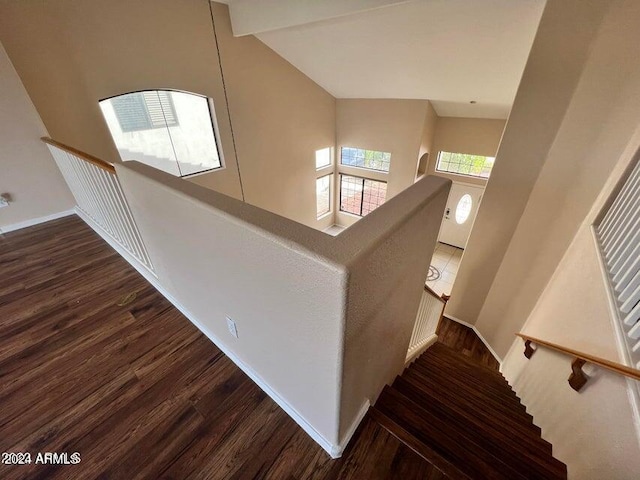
463,209
166,129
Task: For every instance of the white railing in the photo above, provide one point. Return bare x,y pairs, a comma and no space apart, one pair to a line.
619,237
424,331
99,197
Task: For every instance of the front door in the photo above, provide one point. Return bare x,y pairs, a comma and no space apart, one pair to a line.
462,207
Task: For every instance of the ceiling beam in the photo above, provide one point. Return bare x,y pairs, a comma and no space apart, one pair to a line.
250,17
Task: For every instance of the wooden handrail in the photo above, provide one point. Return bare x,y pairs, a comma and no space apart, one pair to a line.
581,358
84,156
429,290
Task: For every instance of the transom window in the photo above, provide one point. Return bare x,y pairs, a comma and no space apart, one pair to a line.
369,159
323,158
465,164
168,130
360,196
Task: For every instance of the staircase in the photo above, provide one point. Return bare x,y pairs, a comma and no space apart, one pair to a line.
464,418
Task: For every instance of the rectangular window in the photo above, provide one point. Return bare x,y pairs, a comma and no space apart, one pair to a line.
323,158
369,159
361,196
465,164
323,195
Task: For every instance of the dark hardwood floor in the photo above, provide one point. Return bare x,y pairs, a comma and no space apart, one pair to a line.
464,340
136,389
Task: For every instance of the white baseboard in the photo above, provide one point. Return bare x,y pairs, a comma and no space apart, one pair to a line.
35,221
473,327
335,451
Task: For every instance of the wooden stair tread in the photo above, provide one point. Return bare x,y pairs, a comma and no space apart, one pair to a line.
465,419
475,407
447,438
468,375
505,456
442,349
478,420
454,385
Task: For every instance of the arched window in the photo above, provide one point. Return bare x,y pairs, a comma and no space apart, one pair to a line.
169,130
463,209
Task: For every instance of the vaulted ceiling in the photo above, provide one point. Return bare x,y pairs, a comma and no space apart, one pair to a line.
451,52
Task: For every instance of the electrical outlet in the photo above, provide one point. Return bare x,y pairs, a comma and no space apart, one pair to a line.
231,325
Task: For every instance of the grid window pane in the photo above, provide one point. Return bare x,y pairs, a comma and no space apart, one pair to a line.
465,164
350,194
374,195
370,159
361,196
323,195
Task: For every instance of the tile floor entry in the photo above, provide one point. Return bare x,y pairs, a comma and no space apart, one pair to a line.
447,260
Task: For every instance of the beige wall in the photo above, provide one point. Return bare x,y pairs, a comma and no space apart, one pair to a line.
476,136
395,126
71,54
550,276
591,431
554,67
323,322
601,118
287,303
29,173
280,118
426,142
394,244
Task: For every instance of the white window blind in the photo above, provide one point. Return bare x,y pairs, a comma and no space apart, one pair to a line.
619,238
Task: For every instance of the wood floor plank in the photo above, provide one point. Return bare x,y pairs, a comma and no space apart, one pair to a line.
137,389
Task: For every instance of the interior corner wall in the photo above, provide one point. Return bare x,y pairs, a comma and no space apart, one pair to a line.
387,125
592,431
280,118
602,116
269,274
29,174
556,62
385,284
428,134
475,136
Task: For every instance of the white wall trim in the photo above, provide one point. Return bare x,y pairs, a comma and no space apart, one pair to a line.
473,327
335,451
35,221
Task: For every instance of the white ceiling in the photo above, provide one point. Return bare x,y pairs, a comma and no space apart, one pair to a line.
447,51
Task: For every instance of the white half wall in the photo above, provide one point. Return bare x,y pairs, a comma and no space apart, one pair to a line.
323,322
